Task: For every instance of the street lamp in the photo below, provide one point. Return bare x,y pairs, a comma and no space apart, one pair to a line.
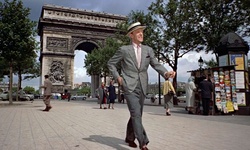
200,63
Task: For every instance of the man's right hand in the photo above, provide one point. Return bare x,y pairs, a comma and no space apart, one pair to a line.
119,80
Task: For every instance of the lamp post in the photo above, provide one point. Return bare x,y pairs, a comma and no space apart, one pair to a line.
200,63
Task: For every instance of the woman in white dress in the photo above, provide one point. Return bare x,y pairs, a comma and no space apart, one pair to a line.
190,94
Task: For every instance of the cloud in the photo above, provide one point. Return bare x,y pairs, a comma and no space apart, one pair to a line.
109,6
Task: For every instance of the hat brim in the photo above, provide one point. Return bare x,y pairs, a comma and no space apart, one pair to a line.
135,28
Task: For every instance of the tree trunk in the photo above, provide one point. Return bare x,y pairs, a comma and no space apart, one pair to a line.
10,84
19,84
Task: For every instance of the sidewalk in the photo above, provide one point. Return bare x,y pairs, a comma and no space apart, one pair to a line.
83,126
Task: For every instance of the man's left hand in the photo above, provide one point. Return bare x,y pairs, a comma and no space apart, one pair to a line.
170,74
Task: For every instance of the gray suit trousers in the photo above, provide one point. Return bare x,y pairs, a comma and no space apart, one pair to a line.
135,102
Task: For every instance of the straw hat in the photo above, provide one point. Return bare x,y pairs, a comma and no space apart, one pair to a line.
134,27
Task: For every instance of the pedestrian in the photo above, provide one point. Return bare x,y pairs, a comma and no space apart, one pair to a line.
206,91
102,96
190,89
122,98
169,93
134,60
112,94
47,92
69,96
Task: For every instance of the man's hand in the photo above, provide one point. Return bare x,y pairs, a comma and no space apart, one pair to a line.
170,74
119,80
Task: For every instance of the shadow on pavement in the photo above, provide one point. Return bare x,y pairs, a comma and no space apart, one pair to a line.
116,143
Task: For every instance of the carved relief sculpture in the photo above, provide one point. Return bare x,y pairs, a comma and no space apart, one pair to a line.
57,42
56,73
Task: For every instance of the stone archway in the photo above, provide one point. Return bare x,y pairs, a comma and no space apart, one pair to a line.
62,30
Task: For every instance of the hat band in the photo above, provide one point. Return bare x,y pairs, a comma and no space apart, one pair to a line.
133,28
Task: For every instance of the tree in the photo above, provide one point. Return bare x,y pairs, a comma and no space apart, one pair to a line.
96,61
32,72
195,25
3,68
211,63
16,35
177,32
84,91
29,90
27,66
220,17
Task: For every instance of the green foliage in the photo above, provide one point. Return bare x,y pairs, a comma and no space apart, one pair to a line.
3,68
37,92
177,26
211,63
221,17
17,32
96,61
84,91
33,71
29,90
14,89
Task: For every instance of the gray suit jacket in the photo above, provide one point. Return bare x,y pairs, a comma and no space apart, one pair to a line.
131,74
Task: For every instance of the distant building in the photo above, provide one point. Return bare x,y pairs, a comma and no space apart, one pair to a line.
81,85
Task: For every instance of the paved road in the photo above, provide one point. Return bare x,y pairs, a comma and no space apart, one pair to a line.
81,125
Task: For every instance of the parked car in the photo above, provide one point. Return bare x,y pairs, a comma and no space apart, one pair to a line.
151,97
78,97
4,96
157,96
23,96
37,96
182,98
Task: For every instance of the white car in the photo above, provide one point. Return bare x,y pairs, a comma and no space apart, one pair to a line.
182,99
4,96
78,97
157,96
23,96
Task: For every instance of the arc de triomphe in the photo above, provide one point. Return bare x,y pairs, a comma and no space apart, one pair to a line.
63,30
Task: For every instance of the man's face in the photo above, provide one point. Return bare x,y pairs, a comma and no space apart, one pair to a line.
137,36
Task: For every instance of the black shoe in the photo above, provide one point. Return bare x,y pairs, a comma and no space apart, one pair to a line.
46,109
131,143
190,112
49,108
168,114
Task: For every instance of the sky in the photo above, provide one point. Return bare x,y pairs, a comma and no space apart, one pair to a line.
186,63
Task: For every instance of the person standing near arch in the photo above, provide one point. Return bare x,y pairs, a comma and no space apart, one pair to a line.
112,94
47,92
134,60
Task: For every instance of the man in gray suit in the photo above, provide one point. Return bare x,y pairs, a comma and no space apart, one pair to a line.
47,92
135,60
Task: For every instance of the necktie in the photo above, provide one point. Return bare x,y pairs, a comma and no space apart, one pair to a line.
138,56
